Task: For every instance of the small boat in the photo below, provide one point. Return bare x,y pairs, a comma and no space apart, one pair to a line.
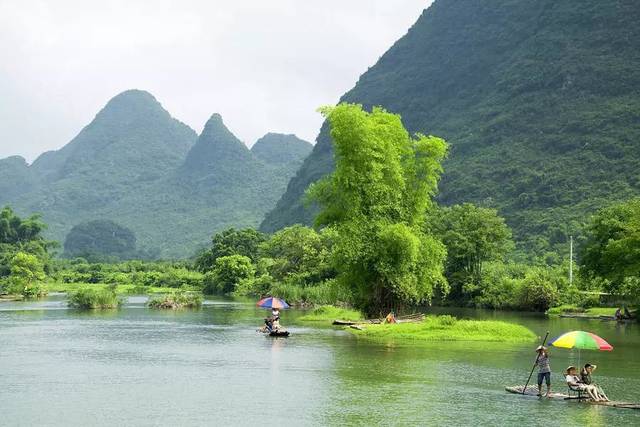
274,333
533,392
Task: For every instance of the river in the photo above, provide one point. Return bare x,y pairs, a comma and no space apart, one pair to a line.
136,366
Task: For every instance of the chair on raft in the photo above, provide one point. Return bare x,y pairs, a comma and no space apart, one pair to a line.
575,393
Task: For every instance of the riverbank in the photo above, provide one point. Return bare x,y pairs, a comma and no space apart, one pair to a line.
446,328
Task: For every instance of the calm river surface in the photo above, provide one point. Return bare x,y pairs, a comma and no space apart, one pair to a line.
136,366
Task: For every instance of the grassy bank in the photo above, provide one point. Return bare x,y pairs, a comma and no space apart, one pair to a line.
176,300
447,328
329,313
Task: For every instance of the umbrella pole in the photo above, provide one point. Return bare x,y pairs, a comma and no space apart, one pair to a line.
544,341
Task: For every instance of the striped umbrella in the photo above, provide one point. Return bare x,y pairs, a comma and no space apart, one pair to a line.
271,302
582,341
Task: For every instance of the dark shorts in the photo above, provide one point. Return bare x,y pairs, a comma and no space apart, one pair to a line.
544,376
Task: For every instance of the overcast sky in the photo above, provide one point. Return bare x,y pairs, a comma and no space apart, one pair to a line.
265,65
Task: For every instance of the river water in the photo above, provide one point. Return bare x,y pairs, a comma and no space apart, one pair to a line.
136,366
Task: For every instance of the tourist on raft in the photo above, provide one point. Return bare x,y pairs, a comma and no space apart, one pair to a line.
585,378
574,383
273,323
544,370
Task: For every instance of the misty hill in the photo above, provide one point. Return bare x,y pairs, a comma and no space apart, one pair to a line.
15,177
540,101
138,166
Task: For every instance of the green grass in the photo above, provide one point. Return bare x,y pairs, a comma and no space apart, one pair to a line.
94,298
447,328
176,300
330,313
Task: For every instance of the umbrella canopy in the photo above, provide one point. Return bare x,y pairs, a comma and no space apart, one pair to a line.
582,341
271,302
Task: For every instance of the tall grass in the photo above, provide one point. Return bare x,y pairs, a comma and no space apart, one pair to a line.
94,298
448,328
330,313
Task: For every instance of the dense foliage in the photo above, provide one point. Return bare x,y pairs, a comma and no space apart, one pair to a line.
136,165
473,236
538,99
611,252
100,239
24,254
138,274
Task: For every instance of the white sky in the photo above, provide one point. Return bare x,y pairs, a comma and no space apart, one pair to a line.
265,65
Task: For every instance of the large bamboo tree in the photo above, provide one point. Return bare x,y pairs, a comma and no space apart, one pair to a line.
376,200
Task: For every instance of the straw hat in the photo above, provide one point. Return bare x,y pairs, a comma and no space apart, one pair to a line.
566,371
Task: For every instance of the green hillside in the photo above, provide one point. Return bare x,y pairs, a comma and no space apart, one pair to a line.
138,166
539,100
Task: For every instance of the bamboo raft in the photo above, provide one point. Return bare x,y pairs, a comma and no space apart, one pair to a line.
533,392
410,318
597,317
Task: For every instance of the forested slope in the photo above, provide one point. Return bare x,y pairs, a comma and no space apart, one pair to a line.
539,99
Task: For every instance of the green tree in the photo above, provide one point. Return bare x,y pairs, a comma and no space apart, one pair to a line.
473,236
26,273
21,235
227,273
298,254
230,242
612,248
376,202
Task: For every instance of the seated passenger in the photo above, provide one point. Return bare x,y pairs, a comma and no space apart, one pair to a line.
585,378
574,383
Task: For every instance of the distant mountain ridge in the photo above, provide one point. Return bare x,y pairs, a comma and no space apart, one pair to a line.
540,101
137,165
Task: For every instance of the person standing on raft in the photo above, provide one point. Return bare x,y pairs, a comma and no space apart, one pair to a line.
544,369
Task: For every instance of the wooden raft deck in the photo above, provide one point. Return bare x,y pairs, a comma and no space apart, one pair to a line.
533,392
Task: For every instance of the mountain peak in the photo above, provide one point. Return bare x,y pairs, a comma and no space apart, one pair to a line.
131,103
279,148
216,146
